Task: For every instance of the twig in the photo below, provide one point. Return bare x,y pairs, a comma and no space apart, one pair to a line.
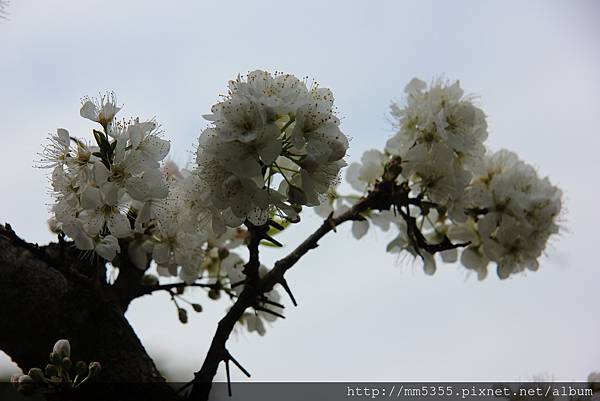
386,195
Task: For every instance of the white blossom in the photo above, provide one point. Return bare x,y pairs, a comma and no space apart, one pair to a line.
101,110
439,114
96,187
274,143
521,212
363,175
101,207
58,149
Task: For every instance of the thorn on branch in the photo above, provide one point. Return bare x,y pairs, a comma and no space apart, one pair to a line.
269,311
228,377
272,240
273,303
287,289
421,242
276,225
228,356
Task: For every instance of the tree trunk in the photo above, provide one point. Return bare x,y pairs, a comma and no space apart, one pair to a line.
53,292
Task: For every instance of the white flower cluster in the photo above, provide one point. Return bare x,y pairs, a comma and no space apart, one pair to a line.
274,145
519,214
439,140
493,201
96,186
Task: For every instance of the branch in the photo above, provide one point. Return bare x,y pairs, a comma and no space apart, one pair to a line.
149,289
386,195
217,352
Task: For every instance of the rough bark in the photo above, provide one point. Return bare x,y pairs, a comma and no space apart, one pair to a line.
53,292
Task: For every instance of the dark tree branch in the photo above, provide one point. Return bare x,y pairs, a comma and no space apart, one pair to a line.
256,234
386,195
150,289
217,352
419,240
129,282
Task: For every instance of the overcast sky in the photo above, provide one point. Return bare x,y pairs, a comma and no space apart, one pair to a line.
363,315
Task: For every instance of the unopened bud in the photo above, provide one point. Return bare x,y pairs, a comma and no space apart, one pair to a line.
25,379
36,374
94,369
197,307
214,294
55,358
182,313
62,348
66,363
81,368
51,370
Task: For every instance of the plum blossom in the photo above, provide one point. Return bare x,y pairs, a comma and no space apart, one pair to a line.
440,140
101,110
362,175
493,203
521,212
273,146
101,188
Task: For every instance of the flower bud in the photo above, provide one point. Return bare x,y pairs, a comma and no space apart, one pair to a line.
182,314
37,375
51,370
66,363
197,307
23,379
94,369
55,358
81,368
214,294
62,348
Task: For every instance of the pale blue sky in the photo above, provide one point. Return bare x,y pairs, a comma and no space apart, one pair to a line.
363,314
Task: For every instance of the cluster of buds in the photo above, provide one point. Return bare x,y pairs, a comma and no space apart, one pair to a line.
60,375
